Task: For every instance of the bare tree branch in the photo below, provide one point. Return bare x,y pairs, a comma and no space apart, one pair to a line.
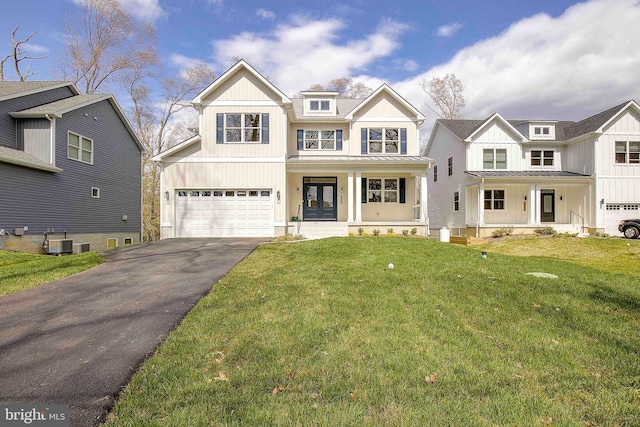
446,94
18,56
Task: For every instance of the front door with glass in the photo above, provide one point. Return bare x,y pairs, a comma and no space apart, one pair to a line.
320,199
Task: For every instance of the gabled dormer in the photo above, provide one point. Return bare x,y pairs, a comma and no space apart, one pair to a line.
542,131
319,103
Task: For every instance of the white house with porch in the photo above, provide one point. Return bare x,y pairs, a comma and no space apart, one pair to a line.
578,177
264,164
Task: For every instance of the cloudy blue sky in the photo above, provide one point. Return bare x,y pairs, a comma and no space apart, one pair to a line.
546,59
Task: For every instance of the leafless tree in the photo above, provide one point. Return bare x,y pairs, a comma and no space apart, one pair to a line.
18,55
345,86
155,124
446,94
103,42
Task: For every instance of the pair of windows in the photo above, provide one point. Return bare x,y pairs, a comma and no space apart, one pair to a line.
319,139
384,190
494,199
450,169
384,141
79,148
318,105
242,128
542,157
628,152
494,158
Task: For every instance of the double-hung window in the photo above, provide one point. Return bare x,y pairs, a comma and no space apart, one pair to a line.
494,158
384,141
383,190
456,201
317,105
242,127
79,148
450,161
628,152
494,199
542,158
319,139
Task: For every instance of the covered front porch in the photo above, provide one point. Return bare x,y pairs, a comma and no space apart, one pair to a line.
332,196
560,200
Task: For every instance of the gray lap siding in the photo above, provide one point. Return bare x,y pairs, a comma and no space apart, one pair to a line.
7,123
63,200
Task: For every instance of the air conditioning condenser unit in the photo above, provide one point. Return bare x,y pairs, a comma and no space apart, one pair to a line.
58,246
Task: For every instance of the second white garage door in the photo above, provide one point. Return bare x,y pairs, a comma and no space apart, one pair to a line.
616,212
224,213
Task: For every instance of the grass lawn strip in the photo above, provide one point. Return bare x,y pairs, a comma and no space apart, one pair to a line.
323,333
20,271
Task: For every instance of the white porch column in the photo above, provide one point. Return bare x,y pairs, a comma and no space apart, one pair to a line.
481,203
423,197
533,205
350,209
358,196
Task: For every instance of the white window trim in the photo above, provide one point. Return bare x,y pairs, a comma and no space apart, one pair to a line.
493,199
319,140
80,149
320,111
627,153
383,191
542,158
494,159
383,141
95,192
242,128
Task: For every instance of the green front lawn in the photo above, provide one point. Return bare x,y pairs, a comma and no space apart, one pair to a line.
19,271
324,333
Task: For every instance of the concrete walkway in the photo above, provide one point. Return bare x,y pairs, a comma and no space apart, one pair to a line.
78,341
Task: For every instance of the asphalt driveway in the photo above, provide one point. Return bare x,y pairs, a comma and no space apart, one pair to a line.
78,341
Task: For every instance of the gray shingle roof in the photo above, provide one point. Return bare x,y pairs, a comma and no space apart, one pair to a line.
592,123
61,106
19,157
10,90
565,130
344,106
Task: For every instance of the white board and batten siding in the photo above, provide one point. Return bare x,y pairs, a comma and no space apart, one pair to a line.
617,183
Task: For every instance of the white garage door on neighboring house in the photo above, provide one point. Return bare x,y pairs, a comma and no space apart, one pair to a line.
616,212
224,213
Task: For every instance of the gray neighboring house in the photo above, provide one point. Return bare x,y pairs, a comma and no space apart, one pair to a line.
70,167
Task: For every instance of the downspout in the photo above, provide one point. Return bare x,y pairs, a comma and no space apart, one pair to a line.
52,140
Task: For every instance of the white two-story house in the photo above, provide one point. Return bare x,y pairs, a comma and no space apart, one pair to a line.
572,176
264,164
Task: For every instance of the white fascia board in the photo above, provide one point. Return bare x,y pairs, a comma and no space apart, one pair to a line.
385,88
163,156
501,119
230,72
246,160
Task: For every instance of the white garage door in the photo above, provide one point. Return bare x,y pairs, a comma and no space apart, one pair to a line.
224,213
616,212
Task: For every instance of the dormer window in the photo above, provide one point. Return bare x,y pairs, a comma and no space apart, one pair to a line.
542,131
317,105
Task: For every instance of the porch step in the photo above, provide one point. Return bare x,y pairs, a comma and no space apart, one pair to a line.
318,230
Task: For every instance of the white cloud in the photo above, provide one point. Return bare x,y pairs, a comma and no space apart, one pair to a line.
569,67
146,10
303,52
449,29
266,14
31,49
